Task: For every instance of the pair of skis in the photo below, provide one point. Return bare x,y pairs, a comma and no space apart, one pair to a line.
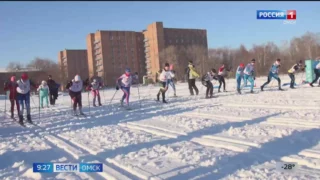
23,124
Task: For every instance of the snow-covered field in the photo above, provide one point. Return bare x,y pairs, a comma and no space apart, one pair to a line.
228,137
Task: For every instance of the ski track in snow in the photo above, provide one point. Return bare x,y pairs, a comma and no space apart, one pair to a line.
228,137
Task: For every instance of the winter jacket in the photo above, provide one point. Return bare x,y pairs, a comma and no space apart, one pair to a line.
75,86
52,85
274,68
125,80
208,77
12,87
249,69
239,71
24,87
43,90
165,75
192,74
222,71
294,68
95,85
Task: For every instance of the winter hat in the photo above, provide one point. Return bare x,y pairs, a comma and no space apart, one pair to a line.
13,78
127,70
95,80
242,65
24,76
77,78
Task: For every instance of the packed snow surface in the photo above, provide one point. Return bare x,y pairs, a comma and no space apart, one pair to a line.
230,136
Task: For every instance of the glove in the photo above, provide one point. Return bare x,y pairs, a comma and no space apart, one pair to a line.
117,88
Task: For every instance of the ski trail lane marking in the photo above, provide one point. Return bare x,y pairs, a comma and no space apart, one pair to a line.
151,130
108,172
272,106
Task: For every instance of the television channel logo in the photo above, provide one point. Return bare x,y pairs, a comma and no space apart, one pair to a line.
289,16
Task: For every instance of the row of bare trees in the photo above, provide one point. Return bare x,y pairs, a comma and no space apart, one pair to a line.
299,48
43,64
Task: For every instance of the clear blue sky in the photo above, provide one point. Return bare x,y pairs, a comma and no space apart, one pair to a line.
41,29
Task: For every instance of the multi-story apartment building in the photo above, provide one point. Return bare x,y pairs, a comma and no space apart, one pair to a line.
111,52
71,63
157,38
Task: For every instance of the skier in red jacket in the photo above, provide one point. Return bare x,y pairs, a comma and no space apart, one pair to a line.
12,87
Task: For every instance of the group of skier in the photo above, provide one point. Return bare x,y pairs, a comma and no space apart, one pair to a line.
20,89
20,94
245,73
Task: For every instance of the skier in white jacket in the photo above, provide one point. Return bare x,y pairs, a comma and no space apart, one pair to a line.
163,80
75,88
23,96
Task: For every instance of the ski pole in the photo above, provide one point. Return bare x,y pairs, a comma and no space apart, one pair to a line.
139,92
71,106
39,106
89,102
33,101
5,103
104,97
112,98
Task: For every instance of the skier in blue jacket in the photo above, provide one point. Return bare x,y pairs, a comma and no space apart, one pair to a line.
316,72
239,76
273,73
249,74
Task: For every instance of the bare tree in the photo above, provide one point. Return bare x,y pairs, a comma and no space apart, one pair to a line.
14,66
46,65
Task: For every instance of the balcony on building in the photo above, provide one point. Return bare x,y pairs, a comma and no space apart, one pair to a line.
146,40
97,53
96,47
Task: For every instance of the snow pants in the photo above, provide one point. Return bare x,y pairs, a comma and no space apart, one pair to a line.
76,99
43,97
209,91
238,78
292,82
23,99
126,94
96,94
192,85
270,76
12,102
221,81
250,79
171,83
